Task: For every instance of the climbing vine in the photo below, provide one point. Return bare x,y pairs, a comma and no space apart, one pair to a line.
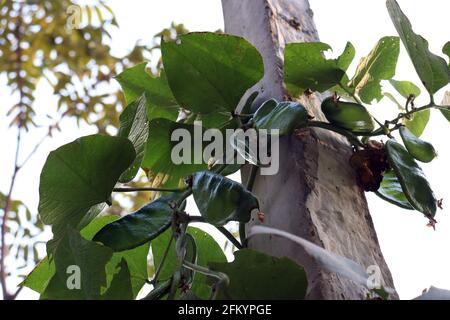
206,77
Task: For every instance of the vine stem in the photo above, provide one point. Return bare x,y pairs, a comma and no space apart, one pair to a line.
325,125
163,260
351,94
131,189
249,185
223,230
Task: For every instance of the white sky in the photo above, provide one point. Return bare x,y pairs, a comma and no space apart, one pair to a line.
417,256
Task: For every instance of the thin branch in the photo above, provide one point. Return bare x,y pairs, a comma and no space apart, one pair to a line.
131,189
325,125
224,231
163,260
351,94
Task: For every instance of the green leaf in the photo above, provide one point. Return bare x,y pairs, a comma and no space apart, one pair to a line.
40,276
220,199
418,122
159,291
134,126
158,155
393,99
207,251
247,108
139,227
405,88
351,116
284,116
91,259
446,50
77,178
419,149
391,191
378,65
210,72
161,103
255,275
412,179
306,68
120,288
432,69
347,56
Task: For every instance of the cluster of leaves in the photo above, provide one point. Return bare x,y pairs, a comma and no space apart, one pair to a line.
68,46
205,77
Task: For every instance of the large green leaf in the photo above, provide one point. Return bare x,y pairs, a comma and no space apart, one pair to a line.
139,227
305,67
378,65
120,288
405,88
432,69
207,251
412,179
136,260
134,126
419,149
91,259
284,116
158,155
391,191
220,199
351,116
255,275
161,103
77,178
418,122
210,72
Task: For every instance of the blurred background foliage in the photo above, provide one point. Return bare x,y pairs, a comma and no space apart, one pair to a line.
68,46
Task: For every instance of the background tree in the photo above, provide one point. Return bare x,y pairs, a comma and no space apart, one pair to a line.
67,46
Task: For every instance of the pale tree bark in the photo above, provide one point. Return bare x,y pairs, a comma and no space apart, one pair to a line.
314,195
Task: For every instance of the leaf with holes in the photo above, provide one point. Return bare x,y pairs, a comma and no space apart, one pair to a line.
378,65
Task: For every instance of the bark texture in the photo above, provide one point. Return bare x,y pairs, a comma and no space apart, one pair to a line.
314,195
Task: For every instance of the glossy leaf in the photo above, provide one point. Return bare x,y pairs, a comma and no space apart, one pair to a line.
405,88
305,67
120,288
221,67
418,122
432,69
391,191
79,176
378,65
255,275
412,179
160,289
136,81
207,251
220,199
351,116
139,227
247,108
284,116
158,155
419,149
134,126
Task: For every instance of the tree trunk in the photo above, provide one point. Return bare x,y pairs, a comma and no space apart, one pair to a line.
314,195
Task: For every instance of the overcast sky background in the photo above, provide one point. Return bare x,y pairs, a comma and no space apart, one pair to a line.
417,256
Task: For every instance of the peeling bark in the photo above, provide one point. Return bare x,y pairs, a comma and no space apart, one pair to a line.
314,195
